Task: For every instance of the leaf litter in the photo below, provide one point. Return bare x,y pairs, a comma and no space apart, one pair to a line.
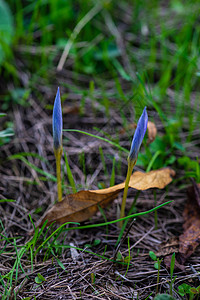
81,206
33,198
189,240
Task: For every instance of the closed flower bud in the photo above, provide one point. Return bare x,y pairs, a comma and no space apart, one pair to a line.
57,122
138,137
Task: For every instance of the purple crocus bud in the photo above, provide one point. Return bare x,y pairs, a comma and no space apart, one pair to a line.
57,122
138,137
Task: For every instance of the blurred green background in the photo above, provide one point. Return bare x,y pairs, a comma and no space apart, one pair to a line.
119,54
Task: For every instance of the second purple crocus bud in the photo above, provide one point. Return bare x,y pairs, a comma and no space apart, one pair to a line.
138,137
57,122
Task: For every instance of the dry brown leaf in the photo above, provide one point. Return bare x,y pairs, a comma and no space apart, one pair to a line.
177,265
168,247
152,132
81,206
73,110
77,207
190,238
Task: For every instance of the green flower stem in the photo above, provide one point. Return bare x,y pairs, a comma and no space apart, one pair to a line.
58,155
131,165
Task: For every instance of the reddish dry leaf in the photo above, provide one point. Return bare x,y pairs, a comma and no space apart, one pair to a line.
166,249
81,206
190,238
177,265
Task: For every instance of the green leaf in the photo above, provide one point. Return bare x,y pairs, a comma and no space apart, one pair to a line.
119,256
60,264
6,29
181,290
156,265
127,259
170,160
172,265
163,297
178,146
6,132
7,200
97,242
152,255
186,287
39,278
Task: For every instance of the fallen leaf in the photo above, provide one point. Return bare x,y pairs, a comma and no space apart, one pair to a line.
81,206
144,181
73,110
77,207
168,247
177,265
152,132
190,238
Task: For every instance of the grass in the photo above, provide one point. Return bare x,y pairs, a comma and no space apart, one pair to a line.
48,245
110,60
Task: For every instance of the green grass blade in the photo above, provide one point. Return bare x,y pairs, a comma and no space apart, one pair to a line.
153,160
69,174
112,177
119,220
58,229
32,166
100,138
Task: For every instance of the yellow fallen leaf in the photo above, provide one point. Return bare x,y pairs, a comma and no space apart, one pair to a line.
81,206
144,181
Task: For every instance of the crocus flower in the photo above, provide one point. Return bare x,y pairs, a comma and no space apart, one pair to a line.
138,137
57,140
57,122
132,158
